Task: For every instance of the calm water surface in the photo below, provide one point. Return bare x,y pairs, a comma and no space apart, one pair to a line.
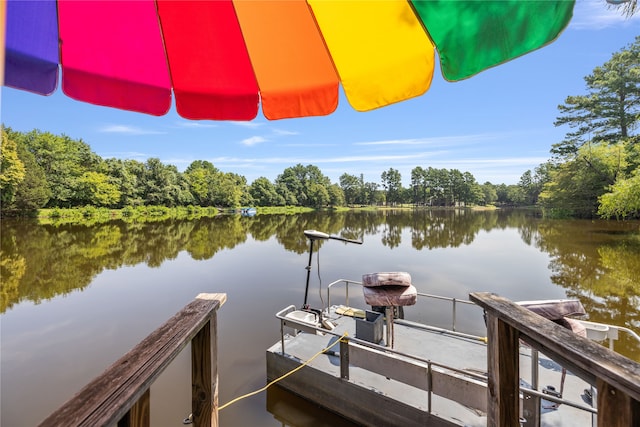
76,298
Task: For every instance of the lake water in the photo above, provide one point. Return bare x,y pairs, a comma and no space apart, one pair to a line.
76,298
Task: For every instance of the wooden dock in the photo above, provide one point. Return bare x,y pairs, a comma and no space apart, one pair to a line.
121,394
428,377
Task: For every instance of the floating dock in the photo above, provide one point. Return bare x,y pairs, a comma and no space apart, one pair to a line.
429,378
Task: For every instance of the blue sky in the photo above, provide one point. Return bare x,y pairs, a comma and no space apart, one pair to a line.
496,125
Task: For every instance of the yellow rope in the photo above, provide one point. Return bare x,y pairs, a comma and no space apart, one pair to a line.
282,377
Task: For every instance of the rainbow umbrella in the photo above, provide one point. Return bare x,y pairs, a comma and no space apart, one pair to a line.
221,58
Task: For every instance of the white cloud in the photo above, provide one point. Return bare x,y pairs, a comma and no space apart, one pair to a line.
318,160
251,125
512,161
128,130
438,140
282,132
196,125
253,141
506,170
308,144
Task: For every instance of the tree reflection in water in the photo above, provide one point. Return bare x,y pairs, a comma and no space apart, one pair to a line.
597,262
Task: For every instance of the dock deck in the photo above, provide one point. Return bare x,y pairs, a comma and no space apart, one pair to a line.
429,377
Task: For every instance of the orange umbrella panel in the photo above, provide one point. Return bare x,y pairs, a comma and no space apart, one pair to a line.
293,68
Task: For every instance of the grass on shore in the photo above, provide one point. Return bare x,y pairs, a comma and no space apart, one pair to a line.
92,215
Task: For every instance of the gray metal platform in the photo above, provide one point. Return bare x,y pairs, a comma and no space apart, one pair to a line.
405,386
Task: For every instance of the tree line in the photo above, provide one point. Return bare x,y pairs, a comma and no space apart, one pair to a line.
43,170
594,171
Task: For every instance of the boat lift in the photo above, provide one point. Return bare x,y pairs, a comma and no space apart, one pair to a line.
314,235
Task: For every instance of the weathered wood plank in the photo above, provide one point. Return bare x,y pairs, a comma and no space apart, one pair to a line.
503,373
107,398
615,408
140,413
204,393
579,355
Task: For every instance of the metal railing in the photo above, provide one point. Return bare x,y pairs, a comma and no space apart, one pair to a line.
421,295
605,332
369,353
416,371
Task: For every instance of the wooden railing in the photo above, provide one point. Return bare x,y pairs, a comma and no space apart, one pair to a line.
616,377
121,393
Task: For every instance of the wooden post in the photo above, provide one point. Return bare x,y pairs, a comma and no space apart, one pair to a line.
616,408
503,370
204,376
121,393
616,376
140,413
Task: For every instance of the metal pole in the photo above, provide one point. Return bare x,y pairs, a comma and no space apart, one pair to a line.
306,289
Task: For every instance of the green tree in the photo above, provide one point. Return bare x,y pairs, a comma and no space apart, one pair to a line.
489,194
184,196
33,192
264,193
127,176
457,186
336,195
203,177
601,152
576,185
419,189
96,190
472,192
286,194
230,190
437,182
352,188
542,175
392,183
371,195
610,110
528,188
300,183
624,199
317,195
64,161
12,170
515,195
161,183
